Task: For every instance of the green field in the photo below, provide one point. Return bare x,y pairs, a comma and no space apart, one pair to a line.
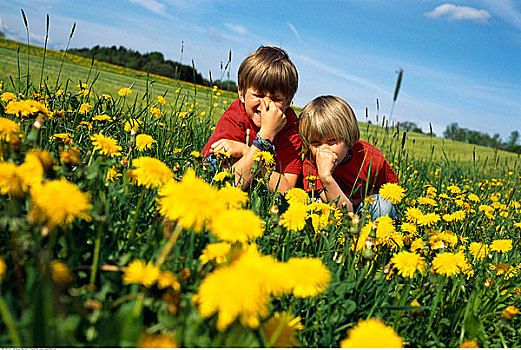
109,79
114,231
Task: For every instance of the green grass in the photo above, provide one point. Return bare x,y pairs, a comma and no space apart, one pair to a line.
110,78
104,77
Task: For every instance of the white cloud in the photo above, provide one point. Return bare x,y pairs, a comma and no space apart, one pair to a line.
294,30
505,9
236,28
152,5
455,12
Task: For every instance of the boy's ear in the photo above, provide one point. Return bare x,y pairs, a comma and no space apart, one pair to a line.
241,96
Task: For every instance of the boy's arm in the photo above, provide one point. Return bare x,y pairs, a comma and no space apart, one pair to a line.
326,164
272,121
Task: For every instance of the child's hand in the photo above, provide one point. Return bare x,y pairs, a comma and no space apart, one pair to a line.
235,149
326,161
272,119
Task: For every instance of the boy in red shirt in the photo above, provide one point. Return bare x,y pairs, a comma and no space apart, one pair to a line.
340,165
261,120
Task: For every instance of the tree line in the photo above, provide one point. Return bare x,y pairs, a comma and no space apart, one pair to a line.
153,62
454,132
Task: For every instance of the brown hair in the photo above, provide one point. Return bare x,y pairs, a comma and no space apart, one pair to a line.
269,69
328,116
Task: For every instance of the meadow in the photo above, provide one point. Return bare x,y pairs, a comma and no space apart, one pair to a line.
115,233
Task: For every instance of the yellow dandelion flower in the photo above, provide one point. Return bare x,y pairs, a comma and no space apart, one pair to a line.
504,269
156,112
408,263
140,272
232,197
9,130
371,333
20,108
150,172
385,231
427,201
307,277
10,182
509,312
112,175
31,171
3,268
413,214
82,86
501,245
417,244
478,250
168,279
428,219
71,156
238,290
59,202
221,176
266,158
133,125
409,228
102,118
7,97
297,195
157,341
215,251
454,189
447,264
237,225
281,329
106,145
124,91
65,137
144,142
361,240
469,344
60,272
393,192
192,202
85,108
195,154
473,198
294,218
161,100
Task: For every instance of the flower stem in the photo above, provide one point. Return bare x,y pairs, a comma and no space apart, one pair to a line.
8,320
169,245
95,260
136,214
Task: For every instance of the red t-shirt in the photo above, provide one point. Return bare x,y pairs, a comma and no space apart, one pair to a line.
233,125
353,176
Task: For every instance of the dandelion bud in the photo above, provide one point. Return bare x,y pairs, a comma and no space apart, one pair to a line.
185,274
509,312
368,254
274,209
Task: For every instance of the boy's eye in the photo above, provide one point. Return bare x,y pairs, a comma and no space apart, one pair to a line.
331,140
315,143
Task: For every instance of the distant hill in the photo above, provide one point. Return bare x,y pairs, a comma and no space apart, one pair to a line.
152,62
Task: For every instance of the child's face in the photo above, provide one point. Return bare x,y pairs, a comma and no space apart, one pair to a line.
331,144
252,101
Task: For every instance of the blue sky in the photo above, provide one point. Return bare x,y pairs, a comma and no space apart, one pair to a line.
461,59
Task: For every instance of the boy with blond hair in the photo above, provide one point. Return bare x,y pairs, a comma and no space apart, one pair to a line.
262,120
339,164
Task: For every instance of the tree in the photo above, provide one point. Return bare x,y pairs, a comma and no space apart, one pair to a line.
513,139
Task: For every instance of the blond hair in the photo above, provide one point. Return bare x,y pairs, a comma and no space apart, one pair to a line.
269,69
328,117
